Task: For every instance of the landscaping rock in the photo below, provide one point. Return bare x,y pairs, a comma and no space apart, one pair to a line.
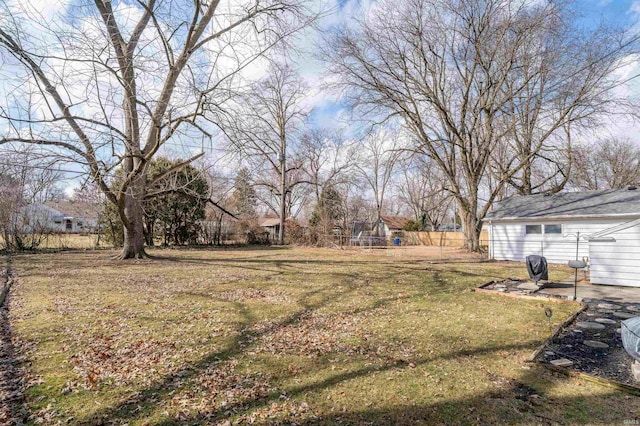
592,344
626,315
595,344
528,286
605,321
609,306
590,325
562,362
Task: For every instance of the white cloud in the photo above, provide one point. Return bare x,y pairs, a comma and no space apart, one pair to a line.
328,112
48,9
313,70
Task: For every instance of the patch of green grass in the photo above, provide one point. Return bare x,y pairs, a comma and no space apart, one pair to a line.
288,335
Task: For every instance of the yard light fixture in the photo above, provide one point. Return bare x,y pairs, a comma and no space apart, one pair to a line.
548,313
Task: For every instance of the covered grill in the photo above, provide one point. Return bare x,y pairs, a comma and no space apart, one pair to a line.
630,331
537,268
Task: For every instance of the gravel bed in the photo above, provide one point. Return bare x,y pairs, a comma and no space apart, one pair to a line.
591,343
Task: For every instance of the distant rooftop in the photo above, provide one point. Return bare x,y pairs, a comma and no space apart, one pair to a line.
395,222
75,208
611,202
267,222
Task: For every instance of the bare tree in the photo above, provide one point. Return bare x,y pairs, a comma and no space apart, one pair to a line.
93,199
26,182
218,221
88,193
608,164
354,206
462,74
264,126
421,189
268,183
327,159
559,83
378,156
109,88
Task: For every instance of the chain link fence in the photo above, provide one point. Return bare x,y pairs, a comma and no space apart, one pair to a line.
437,246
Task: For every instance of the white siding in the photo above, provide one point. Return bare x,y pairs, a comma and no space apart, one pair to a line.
37,217
508,241
41,217
616,262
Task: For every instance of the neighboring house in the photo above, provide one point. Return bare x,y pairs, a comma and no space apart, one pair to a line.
449,227
75,216
391,225
387,227
548,225
271,225
59,216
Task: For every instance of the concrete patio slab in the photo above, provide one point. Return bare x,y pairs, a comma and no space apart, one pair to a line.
594,291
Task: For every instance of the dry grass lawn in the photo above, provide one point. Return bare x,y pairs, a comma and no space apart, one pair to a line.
69,241
291,336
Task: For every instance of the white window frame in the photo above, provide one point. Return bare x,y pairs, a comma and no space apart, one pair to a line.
544,229
533,233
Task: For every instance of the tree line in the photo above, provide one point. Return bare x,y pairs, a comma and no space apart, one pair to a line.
460,104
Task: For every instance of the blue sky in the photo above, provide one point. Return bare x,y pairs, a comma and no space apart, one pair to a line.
328,112
589,13
622,12
611,9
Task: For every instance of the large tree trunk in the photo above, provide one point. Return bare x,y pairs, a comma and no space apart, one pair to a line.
133,246
472,228
472,225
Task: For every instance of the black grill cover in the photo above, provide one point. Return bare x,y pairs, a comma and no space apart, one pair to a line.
537,267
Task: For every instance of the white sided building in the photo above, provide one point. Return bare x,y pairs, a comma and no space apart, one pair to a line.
608,223
59,217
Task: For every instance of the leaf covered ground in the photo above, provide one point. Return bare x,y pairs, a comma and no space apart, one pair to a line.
287,336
